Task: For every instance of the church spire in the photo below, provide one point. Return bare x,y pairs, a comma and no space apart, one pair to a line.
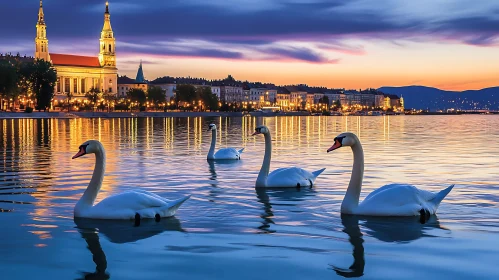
41,19
41,41
107,54
140,74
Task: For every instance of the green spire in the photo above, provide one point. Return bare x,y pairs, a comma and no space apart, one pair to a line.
140,75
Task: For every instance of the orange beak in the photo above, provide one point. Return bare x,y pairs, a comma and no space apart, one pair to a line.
336,145
80,153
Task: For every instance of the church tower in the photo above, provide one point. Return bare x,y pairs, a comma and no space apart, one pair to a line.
41,42
107,54
140,74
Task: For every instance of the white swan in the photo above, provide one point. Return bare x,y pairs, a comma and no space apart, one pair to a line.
389,200
126,205
290,177
226,153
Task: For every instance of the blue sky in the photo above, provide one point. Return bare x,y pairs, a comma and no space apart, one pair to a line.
320,42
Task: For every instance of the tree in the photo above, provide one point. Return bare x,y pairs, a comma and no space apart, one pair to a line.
69,95
93,96
337,104
156,95
137,95
185,93
110,99
209,99
324,100
8,80
40,78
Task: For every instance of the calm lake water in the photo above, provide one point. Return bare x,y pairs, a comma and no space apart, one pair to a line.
228,230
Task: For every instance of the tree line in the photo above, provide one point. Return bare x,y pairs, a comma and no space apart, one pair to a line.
200,96
35,79
186,97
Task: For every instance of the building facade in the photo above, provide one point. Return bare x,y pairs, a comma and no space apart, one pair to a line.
231,94
76,74
125,83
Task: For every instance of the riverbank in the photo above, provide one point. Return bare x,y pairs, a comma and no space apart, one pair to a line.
72,115
66,115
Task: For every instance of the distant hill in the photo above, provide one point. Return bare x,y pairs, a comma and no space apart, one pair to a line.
421,97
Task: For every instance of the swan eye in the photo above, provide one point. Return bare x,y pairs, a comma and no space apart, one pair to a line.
83,147
339,139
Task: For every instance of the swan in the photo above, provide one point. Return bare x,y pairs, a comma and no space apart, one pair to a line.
389,200
127,205
290,177
226,153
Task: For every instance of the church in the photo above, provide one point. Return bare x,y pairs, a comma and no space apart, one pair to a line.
76,74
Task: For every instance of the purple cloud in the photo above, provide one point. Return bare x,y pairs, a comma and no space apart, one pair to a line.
300,54
232,31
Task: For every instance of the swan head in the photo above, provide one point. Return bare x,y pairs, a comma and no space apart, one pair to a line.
89,147
212,127
261,130
342,140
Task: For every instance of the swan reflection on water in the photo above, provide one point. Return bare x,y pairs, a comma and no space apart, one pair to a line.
279,197
117,231
386,229
213,177
232,164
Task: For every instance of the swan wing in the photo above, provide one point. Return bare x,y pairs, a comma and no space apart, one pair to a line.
397,200
125,205
227,153
133,200
290,177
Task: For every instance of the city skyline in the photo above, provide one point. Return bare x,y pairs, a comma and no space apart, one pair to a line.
319,43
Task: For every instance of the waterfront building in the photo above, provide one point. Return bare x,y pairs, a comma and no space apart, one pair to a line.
352,98
298,96
77,74
125,83
367,99
216,91
283,98
168,84
379,100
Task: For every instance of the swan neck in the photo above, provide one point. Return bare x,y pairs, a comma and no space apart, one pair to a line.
264,171
351,200
95,184
211,153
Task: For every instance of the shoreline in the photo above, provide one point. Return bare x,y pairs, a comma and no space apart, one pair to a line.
90,115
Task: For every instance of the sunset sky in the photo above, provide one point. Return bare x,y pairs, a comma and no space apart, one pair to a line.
449,44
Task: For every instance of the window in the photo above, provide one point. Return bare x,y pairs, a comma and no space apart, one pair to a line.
75,85
109,47
58,84
83,87
110,89
66,85
42,48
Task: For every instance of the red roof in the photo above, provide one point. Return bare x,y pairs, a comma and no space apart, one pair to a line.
74,60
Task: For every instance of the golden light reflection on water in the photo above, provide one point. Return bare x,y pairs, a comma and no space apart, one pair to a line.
167,155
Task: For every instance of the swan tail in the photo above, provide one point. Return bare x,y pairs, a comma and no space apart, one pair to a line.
171,208
318,172
241,151
441,195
